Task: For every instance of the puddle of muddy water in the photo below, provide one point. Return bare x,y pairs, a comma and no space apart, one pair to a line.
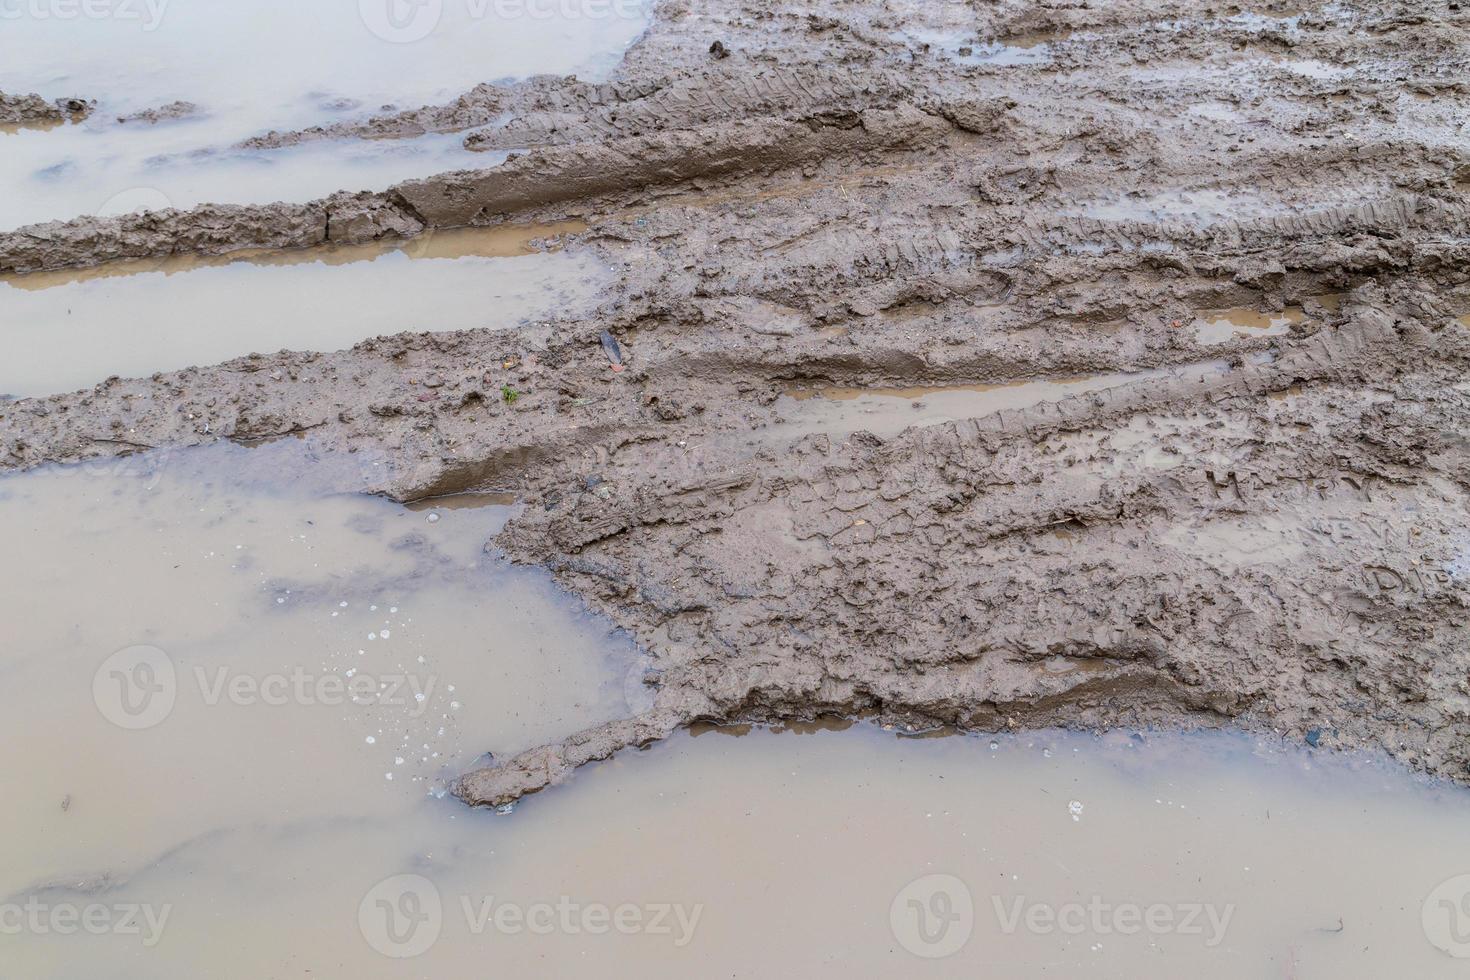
67,330
1202,208
1014,52
843,853
274,65
202,653
1218,326
81,170
886,412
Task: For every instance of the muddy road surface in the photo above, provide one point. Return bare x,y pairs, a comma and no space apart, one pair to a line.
988,365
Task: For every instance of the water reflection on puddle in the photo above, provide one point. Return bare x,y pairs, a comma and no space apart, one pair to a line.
68,330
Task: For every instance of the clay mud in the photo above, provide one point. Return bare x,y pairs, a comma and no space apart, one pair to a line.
979,368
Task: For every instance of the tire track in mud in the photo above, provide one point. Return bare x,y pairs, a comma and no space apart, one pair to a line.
891,518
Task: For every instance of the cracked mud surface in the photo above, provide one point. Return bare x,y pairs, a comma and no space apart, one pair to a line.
1268,532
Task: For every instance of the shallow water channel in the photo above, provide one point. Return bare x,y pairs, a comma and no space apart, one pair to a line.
70,329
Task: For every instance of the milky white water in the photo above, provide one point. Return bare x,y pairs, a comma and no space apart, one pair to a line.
260,66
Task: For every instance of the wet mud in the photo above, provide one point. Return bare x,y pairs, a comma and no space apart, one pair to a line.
32,111
894,196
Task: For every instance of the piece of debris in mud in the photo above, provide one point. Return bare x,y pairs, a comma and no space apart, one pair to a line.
614,351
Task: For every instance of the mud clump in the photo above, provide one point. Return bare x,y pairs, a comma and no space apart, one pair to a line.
1270,531
164,113
28,109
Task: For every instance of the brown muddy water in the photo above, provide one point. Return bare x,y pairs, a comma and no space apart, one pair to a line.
67,330
1220,326
885,412
214,667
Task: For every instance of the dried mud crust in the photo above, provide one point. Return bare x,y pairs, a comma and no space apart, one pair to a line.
1275,534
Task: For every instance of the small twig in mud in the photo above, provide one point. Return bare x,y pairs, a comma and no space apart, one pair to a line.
123,442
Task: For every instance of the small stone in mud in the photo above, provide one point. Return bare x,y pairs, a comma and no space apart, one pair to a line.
613,350
1314,736
76,107
719,50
